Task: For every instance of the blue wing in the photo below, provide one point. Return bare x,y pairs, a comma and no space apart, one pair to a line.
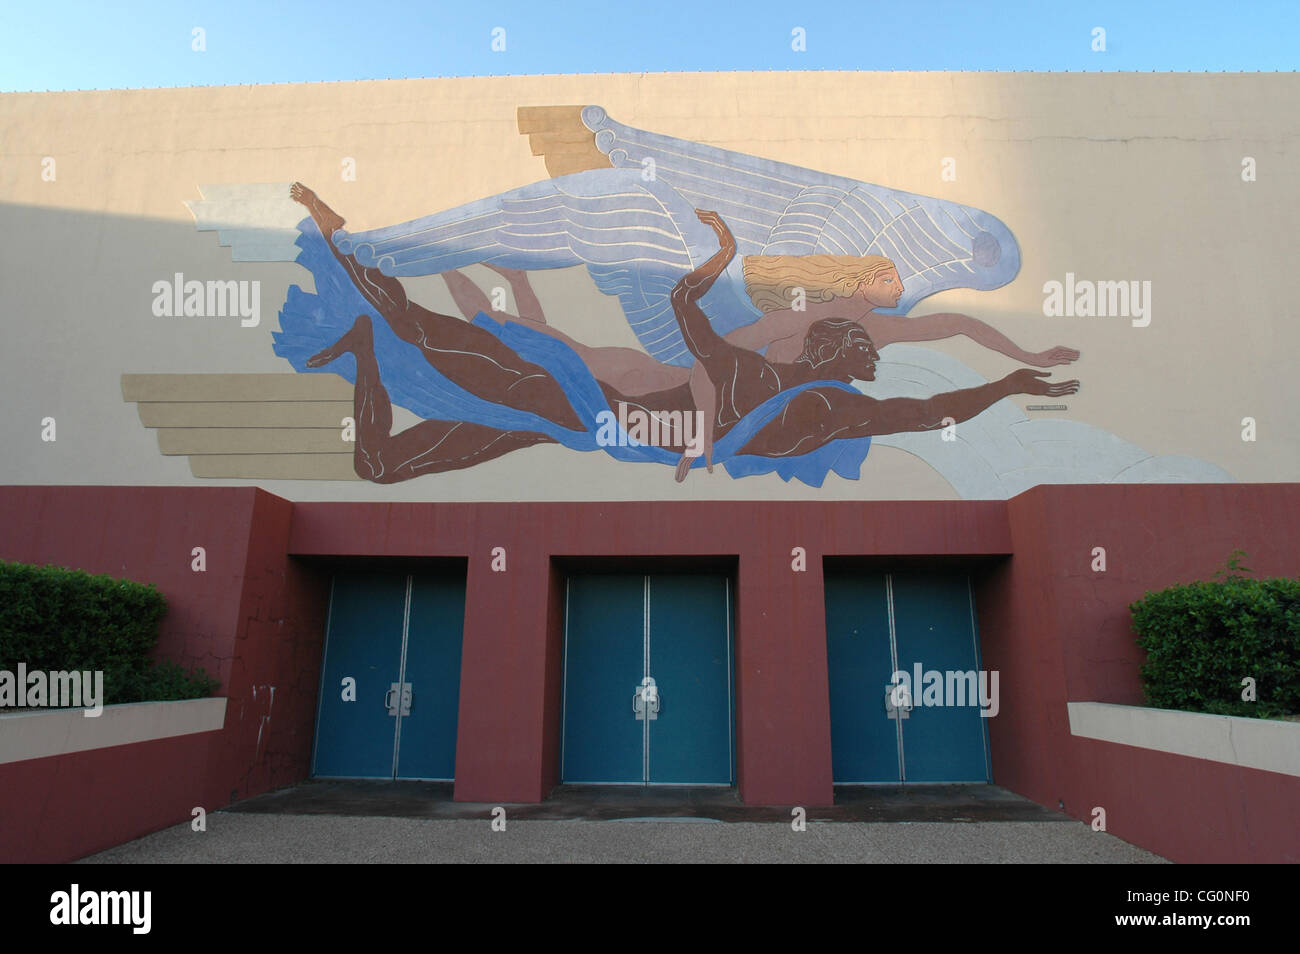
633,225
774,208
637,237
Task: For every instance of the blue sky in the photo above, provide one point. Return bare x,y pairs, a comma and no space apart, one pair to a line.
82,45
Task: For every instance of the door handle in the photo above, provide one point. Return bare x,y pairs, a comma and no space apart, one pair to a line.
407,696
898,701
645,700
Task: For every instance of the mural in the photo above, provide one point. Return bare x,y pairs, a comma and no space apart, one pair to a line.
760,293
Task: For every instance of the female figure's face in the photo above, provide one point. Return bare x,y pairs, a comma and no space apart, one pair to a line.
884,292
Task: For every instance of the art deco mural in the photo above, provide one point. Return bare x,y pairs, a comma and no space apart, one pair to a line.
761,295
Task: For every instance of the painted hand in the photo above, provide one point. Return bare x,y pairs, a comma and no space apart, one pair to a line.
1053,356
1028,381
714,221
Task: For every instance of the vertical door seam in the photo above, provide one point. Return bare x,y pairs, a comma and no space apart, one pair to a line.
901,759
401,676
645,665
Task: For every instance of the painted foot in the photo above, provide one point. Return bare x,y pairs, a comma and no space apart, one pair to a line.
327,220
359,336
684,467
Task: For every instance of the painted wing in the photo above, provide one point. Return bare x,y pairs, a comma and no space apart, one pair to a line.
636,236
622,203
774,208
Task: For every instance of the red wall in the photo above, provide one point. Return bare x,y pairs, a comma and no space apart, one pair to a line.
508,737
66,807
254,619
1055,630
1058,631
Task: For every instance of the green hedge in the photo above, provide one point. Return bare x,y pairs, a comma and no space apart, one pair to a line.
1203,639
53,618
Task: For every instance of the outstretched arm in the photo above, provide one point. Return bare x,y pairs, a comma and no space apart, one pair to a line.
886,329
706,344
820,415
521,288
468,296
705,398
719,365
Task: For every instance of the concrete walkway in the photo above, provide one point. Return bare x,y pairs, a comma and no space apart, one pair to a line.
241,837
434,800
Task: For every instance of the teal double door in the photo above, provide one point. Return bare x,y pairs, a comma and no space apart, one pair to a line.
390,683
930,729
648,680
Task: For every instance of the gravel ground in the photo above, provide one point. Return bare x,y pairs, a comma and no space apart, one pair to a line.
254,838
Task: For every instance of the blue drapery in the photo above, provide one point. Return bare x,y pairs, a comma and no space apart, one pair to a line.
311,322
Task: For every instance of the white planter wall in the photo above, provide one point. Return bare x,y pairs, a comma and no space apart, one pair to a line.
36,734
1266,744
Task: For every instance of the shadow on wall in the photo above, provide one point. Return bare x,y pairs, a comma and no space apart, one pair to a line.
83,288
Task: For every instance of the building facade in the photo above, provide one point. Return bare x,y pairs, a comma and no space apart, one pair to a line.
776,431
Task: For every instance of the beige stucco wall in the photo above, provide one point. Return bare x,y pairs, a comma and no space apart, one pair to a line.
1109,176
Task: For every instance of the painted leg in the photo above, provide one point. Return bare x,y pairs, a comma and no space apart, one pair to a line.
627,370
474,358
426,448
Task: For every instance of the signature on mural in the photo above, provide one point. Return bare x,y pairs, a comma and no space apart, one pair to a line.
759,293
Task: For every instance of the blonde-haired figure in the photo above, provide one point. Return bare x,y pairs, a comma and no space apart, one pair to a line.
793,291
774,281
